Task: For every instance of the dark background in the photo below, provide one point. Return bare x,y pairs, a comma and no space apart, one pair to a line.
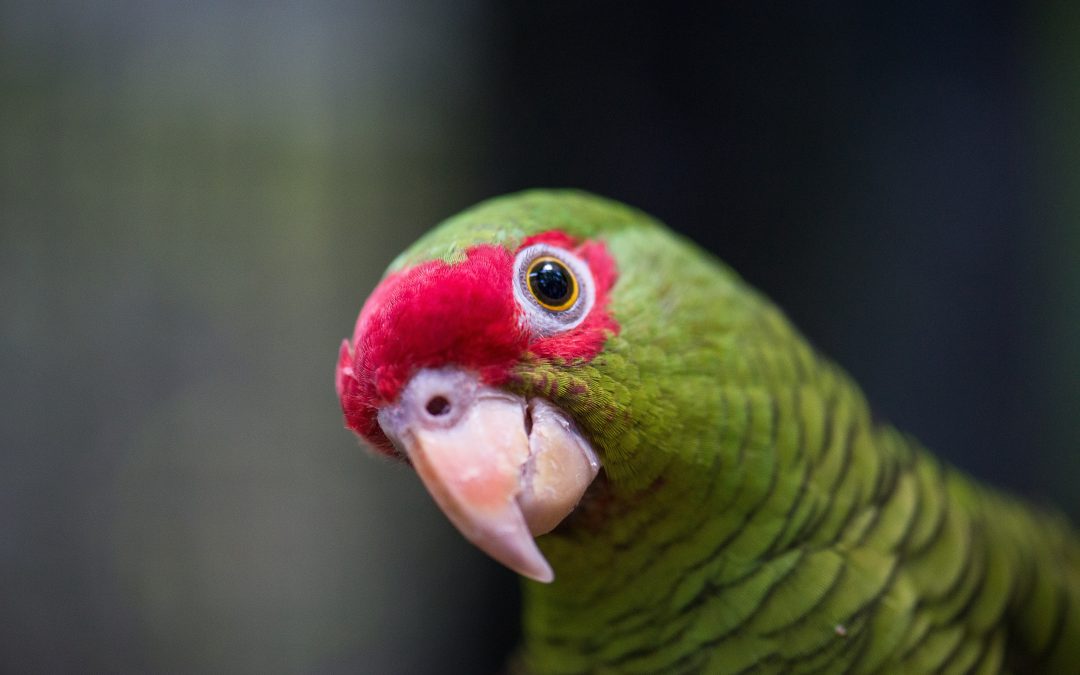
197,197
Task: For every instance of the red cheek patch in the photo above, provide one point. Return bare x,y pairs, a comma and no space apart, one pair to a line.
436,314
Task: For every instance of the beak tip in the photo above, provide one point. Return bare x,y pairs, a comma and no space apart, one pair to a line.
542,573
519,552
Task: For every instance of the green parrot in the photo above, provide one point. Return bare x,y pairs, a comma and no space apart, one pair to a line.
687,485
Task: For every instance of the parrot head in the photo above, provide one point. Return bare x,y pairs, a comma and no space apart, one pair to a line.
491,359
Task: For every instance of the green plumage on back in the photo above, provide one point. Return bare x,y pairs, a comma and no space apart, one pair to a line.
751,515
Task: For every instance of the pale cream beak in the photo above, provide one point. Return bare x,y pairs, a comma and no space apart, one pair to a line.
502,469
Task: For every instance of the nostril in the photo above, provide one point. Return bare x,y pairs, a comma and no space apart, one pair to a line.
438,406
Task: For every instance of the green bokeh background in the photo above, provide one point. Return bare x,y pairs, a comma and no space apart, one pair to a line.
196,199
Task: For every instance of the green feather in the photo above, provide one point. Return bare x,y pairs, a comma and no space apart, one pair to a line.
751,515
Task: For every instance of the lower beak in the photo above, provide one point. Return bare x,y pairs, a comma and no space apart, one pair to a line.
502,469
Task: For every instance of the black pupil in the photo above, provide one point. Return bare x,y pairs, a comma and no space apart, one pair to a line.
551,283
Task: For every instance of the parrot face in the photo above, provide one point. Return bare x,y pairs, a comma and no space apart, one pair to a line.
435,376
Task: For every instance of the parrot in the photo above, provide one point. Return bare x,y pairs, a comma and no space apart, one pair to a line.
683,482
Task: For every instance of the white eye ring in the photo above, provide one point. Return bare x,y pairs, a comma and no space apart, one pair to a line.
541,320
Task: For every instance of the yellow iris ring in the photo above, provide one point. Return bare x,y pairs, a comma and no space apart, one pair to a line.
570,300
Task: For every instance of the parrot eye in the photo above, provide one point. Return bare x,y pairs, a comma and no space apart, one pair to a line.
553,286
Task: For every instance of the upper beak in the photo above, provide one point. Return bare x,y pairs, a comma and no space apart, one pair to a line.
503,470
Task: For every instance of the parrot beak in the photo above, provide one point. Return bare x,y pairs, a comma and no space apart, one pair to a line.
501,468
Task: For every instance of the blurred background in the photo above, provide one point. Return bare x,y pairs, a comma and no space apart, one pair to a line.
197,197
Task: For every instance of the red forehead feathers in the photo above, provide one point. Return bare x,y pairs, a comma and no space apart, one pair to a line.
437,314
